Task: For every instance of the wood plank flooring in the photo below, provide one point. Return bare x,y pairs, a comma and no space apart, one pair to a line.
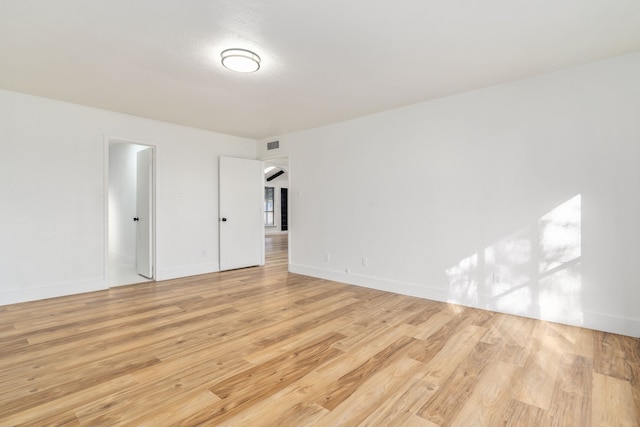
263,347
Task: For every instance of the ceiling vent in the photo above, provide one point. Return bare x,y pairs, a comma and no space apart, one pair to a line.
273,145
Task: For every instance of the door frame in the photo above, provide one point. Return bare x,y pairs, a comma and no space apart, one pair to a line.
108,139
266,159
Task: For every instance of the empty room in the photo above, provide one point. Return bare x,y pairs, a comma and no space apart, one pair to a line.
297,213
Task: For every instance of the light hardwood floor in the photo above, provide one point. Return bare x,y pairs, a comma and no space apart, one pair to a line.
261,347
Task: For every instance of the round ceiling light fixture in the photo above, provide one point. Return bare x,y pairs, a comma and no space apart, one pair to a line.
240,60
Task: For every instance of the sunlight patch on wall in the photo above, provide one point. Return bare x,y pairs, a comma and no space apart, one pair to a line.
507,266
561,235
560,295
534,272
559,265
463,282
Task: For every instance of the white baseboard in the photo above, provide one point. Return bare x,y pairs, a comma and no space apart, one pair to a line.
191,270
394,286
52,291
590,320
613,324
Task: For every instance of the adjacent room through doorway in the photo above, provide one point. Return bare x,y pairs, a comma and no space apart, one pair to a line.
276,209
130,214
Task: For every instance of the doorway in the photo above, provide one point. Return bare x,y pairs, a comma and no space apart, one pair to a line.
276,208
130,237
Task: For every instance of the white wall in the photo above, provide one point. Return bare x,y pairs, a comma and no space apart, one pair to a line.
52,190
522,198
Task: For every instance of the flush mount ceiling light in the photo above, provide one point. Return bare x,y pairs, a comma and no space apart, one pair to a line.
240,60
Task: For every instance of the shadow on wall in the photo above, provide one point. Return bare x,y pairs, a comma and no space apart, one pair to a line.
534,272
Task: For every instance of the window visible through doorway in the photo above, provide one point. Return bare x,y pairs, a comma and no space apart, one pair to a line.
283,209
268,206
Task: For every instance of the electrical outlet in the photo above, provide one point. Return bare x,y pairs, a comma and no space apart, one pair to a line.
327,257
365,261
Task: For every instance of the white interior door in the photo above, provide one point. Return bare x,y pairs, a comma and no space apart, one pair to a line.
241,190
144,213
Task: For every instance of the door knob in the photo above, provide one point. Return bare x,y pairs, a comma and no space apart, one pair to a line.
223,219
136,219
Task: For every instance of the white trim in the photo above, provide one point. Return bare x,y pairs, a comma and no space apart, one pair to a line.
613,324
263,252
290,202
398,287
191,270
105,209
597,321
53,291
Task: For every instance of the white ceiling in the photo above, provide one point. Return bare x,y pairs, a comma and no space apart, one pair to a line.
322,61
